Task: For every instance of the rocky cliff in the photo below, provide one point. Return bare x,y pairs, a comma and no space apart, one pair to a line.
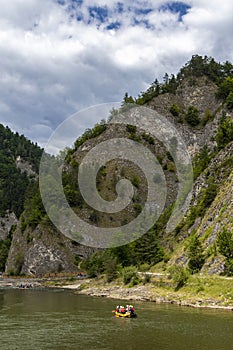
201,119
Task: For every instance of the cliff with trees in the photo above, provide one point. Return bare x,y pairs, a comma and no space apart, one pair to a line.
198,101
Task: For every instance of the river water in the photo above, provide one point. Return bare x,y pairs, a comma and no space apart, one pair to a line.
56,319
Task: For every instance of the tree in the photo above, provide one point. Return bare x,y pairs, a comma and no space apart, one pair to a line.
225,246
128,99
195,254
192,116
225,243
225,131
175,110
225,88
179,275
229,101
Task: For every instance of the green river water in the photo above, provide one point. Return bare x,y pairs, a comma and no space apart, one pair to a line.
56,319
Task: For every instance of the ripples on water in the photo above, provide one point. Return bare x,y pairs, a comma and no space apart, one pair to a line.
61,320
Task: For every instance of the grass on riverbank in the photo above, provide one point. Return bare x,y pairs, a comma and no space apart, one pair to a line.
200,290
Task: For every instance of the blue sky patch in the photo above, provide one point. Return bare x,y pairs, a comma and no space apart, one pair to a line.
99,13
176,7
113,25
120,7
142,22
142,11
61,2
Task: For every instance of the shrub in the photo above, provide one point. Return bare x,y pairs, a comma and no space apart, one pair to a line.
179,275
229,101
192,116
131,128
175,110
225,243
225,247
146,278
129,273
136,181
137,208
111,268
195,254
225,132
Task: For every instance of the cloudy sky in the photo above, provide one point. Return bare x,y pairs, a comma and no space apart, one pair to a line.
60,56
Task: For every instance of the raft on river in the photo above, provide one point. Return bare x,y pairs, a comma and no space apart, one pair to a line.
128,312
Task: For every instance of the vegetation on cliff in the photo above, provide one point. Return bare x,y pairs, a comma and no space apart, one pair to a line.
208,127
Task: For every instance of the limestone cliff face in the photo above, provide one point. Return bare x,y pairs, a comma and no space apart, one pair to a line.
201,94
43,250
6,224
218,217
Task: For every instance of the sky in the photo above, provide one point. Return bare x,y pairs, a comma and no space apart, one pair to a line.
61,56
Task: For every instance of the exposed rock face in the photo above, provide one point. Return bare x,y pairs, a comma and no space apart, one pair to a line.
217,169
217,217
6,224
200,94
25,166
43,250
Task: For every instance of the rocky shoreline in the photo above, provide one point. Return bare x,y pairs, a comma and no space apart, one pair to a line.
142,293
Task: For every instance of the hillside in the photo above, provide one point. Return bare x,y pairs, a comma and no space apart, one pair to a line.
199,101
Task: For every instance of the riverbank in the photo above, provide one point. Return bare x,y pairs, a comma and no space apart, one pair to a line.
200,292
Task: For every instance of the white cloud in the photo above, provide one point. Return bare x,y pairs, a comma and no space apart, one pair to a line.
53,65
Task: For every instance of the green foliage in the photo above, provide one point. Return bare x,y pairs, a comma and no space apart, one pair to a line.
148,138
146,278
208,117
225,131
228,271
148,249
225,243
175,110
129,273
131,128
201,161
19,261
70,185
154,90
137,208
192,116
198,66
225,247
195,252
94,266
179,275
4,250
136,181
225,88
111,268
77,259
100,263
229,101
90,134
128,99
208,195
14,183
34,208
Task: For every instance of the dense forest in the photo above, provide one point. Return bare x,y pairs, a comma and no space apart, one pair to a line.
14,182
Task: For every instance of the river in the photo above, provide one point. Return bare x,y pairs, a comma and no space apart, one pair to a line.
56,319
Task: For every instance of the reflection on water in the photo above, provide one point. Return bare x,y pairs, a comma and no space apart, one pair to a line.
61,320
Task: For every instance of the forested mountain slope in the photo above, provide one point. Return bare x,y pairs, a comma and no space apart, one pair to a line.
199,102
